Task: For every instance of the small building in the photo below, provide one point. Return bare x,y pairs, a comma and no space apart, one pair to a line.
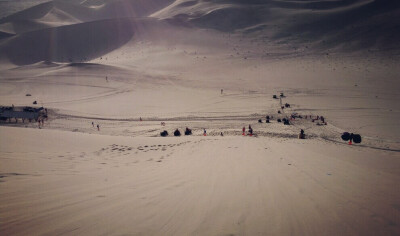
24,113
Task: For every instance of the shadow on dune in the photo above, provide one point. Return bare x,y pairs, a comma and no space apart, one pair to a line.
5,35
348,24
72,43
304,4
90,10
93,66
372,24
34,12
229,18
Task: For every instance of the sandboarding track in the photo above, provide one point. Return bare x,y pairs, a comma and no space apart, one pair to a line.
159,119
230,125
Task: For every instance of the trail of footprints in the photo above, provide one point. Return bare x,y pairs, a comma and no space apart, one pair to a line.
115,150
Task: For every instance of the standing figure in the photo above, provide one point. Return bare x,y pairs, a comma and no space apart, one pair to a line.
98,127
302,134
205,132
243,130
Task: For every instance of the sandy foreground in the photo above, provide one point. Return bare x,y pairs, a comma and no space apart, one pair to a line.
56,182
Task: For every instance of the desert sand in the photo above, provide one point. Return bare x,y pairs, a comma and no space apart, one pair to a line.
130,65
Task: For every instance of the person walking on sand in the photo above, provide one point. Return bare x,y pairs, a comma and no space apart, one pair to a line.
243,130
205,132
222,91
302,134
98,127
92,124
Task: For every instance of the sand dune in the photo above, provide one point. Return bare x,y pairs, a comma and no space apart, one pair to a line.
85,11
344,25
114,74
34,12
60,44
58,13
336,26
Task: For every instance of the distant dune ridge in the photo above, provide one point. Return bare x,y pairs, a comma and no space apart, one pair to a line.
72,43
59,30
